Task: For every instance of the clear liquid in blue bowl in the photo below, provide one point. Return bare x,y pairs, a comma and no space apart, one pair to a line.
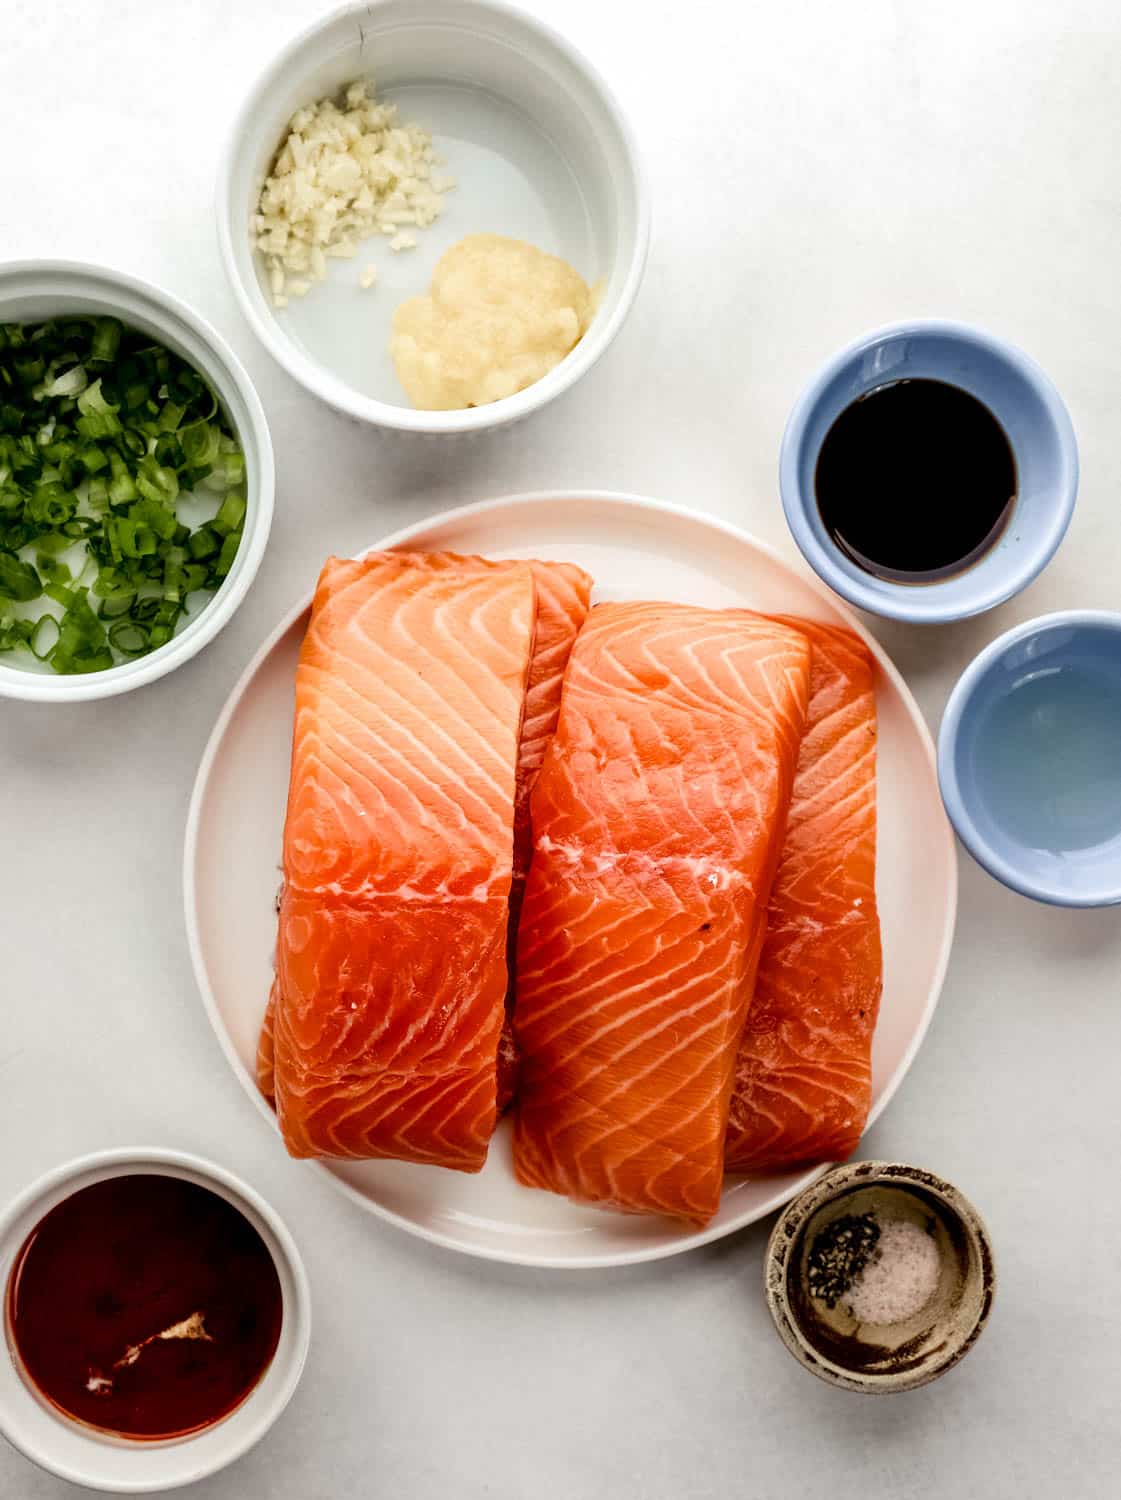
1047,756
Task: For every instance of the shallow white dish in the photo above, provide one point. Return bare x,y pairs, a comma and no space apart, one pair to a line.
538,148
32,292
103,1462
634,548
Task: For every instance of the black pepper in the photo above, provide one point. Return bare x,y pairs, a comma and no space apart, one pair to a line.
839,1254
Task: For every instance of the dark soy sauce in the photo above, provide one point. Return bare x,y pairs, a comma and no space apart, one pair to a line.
915,481
145,1306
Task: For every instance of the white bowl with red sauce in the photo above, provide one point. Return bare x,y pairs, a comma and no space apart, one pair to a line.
204,1383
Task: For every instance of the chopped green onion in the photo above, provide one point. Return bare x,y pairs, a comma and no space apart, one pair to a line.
51,504
201,444
118,603
53,543
205,542
228,553
106,339
60,593
122,487
68,384
231,515
130,637
197,577
92,459
95,425
229,469
29,368
102,435
168,451
52,571
44,637
150,512
18,580
155,482
93,400
14,632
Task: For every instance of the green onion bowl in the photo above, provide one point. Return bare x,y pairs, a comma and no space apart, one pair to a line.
132,440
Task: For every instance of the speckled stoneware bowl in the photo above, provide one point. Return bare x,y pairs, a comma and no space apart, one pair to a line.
867,1357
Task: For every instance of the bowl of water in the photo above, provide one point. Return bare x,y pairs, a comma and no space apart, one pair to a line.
1029,758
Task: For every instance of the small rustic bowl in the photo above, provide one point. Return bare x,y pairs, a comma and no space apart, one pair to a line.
897,1357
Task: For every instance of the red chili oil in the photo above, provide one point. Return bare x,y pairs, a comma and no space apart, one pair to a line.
145,1306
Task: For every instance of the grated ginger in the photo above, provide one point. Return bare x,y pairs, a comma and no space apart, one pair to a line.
499,315
344,172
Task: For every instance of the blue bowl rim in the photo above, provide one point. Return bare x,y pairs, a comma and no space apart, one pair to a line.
965,827
897,605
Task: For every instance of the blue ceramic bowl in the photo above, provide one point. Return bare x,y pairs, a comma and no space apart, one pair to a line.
1029,758
1026,405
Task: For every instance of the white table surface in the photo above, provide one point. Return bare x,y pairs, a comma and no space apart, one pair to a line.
817,168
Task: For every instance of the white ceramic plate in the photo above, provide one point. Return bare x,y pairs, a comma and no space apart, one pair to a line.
634,548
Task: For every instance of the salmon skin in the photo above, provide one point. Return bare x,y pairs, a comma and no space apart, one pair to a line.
803,1075
563,599
398,857
657,820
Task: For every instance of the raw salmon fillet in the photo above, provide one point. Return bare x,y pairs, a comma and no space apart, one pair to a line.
563,598
657,820
266,1050
398,852
803,1075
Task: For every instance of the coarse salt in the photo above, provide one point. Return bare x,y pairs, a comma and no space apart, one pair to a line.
900,1278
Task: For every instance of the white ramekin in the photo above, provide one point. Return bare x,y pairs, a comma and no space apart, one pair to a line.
483,42
102,1462
32,292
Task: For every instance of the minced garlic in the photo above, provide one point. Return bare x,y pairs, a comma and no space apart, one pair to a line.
344,172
